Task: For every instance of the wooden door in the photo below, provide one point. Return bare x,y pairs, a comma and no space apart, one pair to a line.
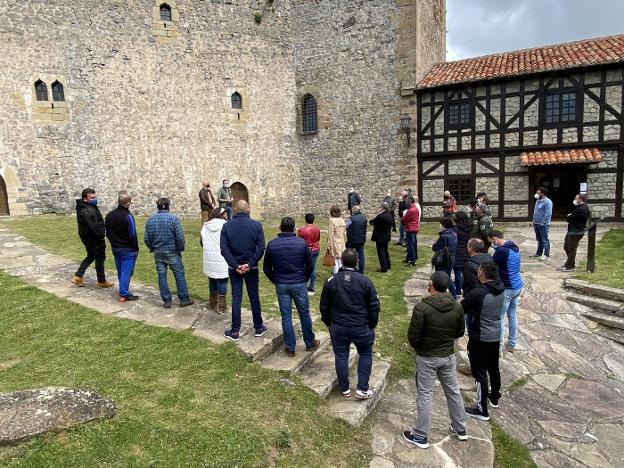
239,192
4,199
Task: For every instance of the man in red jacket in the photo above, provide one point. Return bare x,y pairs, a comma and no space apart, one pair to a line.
411,225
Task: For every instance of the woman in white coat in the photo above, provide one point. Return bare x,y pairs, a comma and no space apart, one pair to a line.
215,266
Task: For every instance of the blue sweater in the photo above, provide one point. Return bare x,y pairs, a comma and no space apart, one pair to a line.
287,260
242,241
543,211
448,238
507,257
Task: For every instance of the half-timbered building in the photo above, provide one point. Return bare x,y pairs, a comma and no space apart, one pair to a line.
509,123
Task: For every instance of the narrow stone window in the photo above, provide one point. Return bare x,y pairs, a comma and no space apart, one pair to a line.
58,93
41,90
309,114
165,12
237,101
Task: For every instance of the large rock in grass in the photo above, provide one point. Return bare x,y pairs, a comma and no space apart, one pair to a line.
27,413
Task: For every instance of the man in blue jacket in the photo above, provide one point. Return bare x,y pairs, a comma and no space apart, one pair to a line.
288,265
242,246
507,258
542,214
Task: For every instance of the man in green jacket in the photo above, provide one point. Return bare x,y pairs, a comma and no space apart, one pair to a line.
437,321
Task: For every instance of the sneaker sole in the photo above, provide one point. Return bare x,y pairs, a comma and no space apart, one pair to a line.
459,437
258,335
492,404
366,397
479,417
409,441
232,339
82,285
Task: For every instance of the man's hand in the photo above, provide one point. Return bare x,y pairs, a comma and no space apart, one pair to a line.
242,269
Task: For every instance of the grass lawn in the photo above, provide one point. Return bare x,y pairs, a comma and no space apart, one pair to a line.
609,261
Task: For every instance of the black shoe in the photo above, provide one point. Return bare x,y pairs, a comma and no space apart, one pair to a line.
415,439
493,401
131,297
190,302
460,435
379,270
167,305
398,243
477,413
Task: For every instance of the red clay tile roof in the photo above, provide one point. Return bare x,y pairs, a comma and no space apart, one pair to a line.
561,157
596,51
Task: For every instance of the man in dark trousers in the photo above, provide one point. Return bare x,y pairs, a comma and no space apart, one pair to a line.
577,222
356,234
477,255
353,199
482,307
350,309
122,235
383,223
402,208
206,201
91,230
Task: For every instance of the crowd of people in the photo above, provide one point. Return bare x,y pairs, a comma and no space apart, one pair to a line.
234,244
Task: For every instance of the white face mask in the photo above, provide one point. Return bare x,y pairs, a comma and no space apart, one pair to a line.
574,202
537,196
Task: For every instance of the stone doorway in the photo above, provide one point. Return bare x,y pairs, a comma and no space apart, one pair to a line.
563,184
4,199
239,192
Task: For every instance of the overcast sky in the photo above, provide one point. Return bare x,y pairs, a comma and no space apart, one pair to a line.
482,27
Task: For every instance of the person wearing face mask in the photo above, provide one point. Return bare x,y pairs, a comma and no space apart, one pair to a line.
411,223
577,221
449,205
91,230
224,195
542,215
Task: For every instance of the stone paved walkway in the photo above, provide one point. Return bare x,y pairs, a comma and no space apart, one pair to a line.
564,394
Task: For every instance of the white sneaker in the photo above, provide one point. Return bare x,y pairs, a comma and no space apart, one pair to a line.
544,258
363,395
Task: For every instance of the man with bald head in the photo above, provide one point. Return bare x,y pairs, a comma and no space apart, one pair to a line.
242,246
122,235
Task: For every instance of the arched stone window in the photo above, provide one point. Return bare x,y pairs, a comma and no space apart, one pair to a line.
165,12
58,93
41,90
309,114
237,101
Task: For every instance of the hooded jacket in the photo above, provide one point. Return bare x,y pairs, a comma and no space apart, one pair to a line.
507,257
436,322
471,268
215,265
461,252
482,307
447,238
90,223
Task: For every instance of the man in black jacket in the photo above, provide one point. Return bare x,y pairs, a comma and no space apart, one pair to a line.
122,235
383,223
577,222
402,207
477,255
350,309
356,234
91,231
437,321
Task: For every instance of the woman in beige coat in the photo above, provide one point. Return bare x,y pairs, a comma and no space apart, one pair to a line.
336,234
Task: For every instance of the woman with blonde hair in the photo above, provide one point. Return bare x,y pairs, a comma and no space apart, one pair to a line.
335,236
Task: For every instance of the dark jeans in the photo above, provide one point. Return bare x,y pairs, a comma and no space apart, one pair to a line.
383,255
359,248
286,294
125,259
458,280
171,260
570,245
412,254
483,358
95,252
543,243
219,285
252,283
312,281
401,232
228,210
363,338
451,286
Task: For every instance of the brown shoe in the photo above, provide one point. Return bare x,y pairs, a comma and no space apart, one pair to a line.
289,352
104,284
78,281
508,348
465,370
190,302
221,305
212,300
315,344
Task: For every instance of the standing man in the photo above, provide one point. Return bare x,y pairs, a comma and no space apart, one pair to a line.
242,246
206,201
389,199
311,234
542,214
164,236
382,225
350,309
411,223
437,321
577,222
353,199
356,234
122,235
507,258
402,209
477,256
91,230
482,225
482,307
225,198
288,265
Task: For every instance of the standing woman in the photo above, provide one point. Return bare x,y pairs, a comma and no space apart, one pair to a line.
462,229
335,236
215,266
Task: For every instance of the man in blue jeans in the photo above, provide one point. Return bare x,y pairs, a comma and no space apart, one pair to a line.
242,246
542,214
350,309
288,264
164,236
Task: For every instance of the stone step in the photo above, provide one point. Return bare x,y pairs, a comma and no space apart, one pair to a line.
604,292
320,376
280,361
604,318
614,334
257,348
599,304
352,410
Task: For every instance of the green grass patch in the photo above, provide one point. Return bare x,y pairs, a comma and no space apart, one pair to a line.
516,384
509,452
609,261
